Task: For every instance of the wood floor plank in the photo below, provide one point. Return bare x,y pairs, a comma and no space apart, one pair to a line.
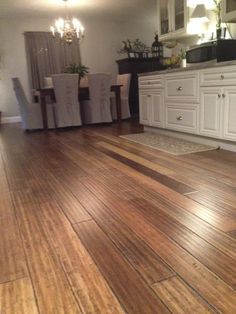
131,291
89,287
211,287
163,179
155,233
12,259
17,297
180,213
219,263
53,292
148,264
180,298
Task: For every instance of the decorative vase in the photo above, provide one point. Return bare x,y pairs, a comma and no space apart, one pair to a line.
183,63
220,33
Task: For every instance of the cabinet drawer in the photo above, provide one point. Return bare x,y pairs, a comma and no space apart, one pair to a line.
182,87
219,77
179,118
152,81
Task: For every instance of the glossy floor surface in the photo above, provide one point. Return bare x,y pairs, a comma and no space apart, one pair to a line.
92,223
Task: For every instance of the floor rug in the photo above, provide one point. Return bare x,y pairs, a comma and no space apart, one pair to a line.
167,144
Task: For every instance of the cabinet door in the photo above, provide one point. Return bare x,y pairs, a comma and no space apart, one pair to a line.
164,16
229,11
179,14
144,108
157,109
229,127
210,112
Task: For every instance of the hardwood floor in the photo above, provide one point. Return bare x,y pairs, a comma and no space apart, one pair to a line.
92,223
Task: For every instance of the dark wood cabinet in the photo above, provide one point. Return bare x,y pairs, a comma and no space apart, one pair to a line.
136,66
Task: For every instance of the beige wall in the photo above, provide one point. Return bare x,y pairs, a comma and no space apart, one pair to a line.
98,50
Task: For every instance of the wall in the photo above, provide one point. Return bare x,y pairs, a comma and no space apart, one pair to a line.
98,50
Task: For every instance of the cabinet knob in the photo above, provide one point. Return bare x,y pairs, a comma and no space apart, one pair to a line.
223,95
179,118
149,95
179,88
219,95
149,82
222,76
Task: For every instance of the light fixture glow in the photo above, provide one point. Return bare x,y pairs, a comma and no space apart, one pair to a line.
200,14
68,28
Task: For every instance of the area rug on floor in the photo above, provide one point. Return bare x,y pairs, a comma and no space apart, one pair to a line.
167,144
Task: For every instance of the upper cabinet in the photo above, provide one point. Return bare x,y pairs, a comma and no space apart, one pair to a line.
172,18
229,11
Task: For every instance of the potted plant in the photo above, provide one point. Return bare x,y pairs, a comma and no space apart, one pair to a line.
80,69
220,31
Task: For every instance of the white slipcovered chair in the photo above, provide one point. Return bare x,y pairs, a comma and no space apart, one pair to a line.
97,109
67,106
31,114
122,79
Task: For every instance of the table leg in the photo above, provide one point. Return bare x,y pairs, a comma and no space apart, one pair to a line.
118,105
44,111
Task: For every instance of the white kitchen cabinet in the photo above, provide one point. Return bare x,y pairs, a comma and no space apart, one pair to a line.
229,11
144,108
211,111
151,108
182,118
229,106
172,18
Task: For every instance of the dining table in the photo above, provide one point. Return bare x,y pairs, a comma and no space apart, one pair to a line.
83,94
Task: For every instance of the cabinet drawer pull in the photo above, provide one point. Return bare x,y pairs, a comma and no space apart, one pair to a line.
222,76
149,82
179,88
149,95
179,118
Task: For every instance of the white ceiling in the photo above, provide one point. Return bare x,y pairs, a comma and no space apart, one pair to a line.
113,8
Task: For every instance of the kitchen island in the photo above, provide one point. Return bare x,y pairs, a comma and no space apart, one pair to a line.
199,100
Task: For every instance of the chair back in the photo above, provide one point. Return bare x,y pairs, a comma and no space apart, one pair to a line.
124,79
21,99
48,81
67,109
99,86
99,94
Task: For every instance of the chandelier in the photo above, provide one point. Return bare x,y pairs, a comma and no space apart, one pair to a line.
68,28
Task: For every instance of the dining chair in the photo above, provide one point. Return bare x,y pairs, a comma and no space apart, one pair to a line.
67,106
31,114
124,80
97,109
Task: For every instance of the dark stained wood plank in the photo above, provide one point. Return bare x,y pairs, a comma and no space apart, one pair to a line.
163,179
17,297
131,291
180,298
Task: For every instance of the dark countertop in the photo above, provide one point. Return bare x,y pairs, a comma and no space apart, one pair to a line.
199,66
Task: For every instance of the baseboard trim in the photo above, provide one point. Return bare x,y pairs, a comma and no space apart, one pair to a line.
11,119
227,145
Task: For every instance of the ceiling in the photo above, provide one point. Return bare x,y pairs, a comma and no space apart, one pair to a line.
106,8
